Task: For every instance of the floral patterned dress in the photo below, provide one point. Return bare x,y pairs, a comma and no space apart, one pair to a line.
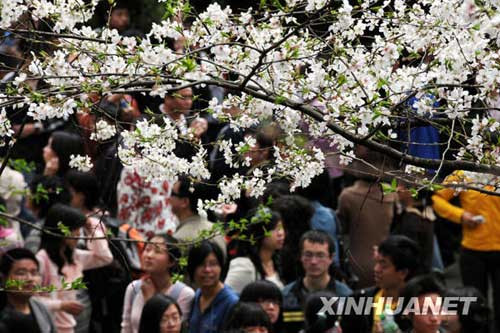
145,205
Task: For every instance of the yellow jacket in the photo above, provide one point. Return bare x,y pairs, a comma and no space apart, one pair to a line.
484,237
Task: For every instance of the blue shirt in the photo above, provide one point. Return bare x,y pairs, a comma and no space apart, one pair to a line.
324,219
212,319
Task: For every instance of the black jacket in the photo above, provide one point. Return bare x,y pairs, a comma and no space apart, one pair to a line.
353,323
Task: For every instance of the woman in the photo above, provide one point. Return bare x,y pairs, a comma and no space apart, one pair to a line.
268,295
57,153
161,314
250,317
258,261
19,311
213,299
158,261
60,259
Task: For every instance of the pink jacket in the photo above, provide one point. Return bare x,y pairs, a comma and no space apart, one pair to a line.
97,255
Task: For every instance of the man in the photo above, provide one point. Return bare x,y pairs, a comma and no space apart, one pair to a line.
184,203
396,261
177,106
479,216
317,250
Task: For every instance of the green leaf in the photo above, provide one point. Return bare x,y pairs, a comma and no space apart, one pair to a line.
387,188
64,229
22,165
341,79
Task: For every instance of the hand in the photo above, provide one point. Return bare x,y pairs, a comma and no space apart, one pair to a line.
148,288
467,220
199,126
378,327
72,307
51,167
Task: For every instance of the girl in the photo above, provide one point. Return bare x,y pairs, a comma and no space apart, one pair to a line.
60,259
269,296
260,260
57,153
158,260
250,317
161,314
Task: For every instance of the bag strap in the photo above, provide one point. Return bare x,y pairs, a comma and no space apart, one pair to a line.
136,286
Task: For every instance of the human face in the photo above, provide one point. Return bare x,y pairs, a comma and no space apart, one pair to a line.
180,102
48,152
315,259
120,19
25,270
272,308
171,320
155,258
386,275
178,204
277,238
429,322
208,273
256,329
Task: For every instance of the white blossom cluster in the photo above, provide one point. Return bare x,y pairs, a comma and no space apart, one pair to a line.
81,163
103,131
351,81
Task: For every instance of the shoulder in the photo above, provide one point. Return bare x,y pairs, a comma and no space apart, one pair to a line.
229,294
369,292
288,288
342,289
134,286
185,290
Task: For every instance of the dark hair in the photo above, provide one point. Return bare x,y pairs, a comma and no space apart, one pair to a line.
7,261
261,221
415,287
69,217
318,236
85,183
261,290
296,212
174,252
64,145
153,311
316,189
316,322
276,189
403,252
48,190
245,314
478,316
192,191
199,253
264,290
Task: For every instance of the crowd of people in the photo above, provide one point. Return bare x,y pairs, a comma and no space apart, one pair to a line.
131,241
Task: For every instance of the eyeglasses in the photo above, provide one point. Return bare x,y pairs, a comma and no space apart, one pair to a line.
172,320
317,255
